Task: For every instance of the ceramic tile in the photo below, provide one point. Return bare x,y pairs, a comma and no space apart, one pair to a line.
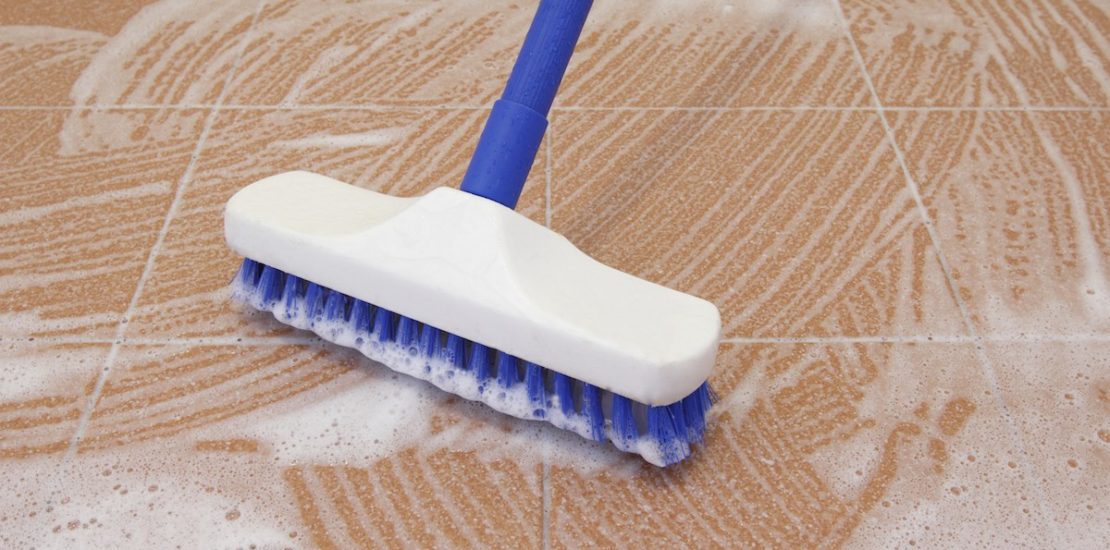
654,54
713,54
402,53
112,53
985,52
400,152
312,440
792,223
1022,207
868,446
84,196
42,396
1059,396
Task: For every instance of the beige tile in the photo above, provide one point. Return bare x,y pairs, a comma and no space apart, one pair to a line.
42,397
1022,206
406,53
713,54
868,446
84,196
307,439
112,53
460,53
1059,396
985,52
792,223
401,152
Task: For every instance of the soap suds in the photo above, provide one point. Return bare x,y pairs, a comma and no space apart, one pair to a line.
1094,290
326,141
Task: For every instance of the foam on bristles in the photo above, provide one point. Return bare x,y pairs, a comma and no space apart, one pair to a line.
662,435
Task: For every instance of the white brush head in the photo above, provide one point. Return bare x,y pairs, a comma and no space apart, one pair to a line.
472,267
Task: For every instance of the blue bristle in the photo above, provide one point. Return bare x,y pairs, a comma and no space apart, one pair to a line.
694,407
408,332
313,298
533,380
383,324
335,308
248,272
678,416
269,285
479,362
661,428
291,293
360,317
591,407
429,341
624,423
506,370
564,393
455,351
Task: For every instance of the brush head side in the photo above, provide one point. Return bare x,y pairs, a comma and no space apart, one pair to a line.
476,269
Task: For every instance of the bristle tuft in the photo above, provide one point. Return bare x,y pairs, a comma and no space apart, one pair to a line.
694,408
335,308
383,324
533,380
479,362
661,428
591,407
564,393
455,351
360,317
313,302
248,272
624,423
270,285
407,332
429,341
506,370
291,295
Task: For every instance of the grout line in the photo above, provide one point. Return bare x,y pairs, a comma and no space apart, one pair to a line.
985,363
834,108
928,339
1000,109
121,328
569,108
229,341
853,340
741,340
246,107
194,341
357,107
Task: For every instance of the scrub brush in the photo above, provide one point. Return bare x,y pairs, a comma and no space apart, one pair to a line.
456,288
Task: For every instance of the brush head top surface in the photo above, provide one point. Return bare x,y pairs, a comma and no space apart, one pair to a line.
475,268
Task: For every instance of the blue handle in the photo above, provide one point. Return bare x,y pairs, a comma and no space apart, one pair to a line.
518,120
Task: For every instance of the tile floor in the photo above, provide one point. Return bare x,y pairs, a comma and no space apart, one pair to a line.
902,209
